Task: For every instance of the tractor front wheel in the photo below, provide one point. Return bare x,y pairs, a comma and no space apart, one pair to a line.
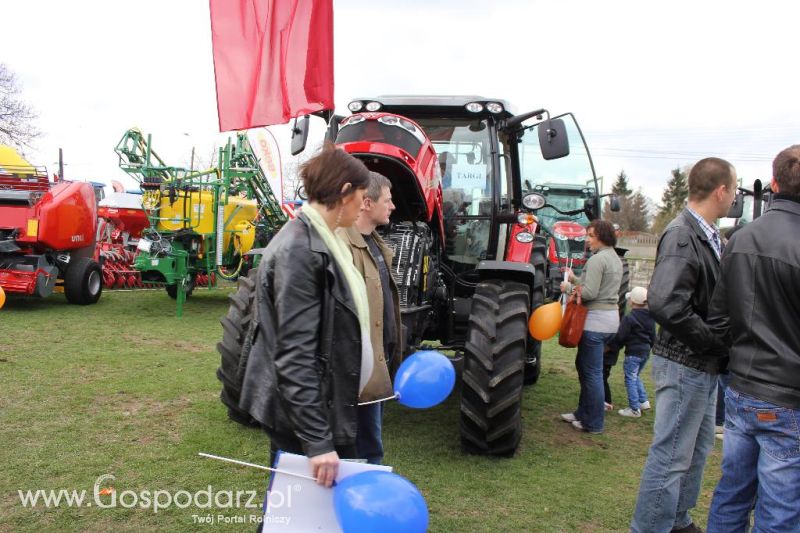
494,359
83,281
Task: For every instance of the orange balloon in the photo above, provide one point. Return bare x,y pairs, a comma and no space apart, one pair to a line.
545,321
2,298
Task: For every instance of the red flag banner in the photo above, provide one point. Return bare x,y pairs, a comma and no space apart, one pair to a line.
273,60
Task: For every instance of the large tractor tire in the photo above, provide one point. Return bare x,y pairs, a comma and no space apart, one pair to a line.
234,349
494,361
533,359
83,281
624,286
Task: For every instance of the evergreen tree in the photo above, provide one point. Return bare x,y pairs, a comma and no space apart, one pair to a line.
672,200
620,188
637,214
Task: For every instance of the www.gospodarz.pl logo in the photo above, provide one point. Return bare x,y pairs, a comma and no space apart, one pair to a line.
105,496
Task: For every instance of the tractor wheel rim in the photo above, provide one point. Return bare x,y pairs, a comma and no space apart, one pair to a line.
94,283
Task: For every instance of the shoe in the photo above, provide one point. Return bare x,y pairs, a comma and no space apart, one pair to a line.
645,405
719,430
632,413
691,528
720,436
568,417
577,425
609,406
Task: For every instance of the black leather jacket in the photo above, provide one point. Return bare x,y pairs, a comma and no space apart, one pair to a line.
756,305
302,376
679,294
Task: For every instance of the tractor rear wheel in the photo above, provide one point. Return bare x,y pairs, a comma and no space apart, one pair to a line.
624,286
234,349
494,358
83,281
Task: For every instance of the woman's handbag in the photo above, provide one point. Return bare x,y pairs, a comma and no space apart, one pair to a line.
573,321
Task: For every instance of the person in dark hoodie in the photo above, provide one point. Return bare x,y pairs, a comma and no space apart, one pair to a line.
637,333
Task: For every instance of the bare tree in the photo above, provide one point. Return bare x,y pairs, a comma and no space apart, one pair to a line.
16,116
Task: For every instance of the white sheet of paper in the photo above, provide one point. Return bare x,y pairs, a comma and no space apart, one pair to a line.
297,504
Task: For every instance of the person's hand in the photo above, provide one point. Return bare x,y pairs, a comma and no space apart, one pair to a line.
570,275
325,467
564,286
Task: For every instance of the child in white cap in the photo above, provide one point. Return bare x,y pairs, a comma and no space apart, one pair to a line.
637,333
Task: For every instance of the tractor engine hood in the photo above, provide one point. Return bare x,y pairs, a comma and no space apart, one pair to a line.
397,148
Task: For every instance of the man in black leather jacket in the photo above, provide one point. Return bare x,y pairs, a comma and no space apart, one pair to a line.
687,354
756,308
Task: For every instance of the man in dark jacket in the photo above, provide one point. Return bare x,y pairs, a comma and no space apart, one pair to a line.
755,308
687,354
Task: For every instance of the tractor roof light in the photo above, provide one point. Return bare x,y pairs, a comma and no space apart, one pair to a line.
355,106
524,237
474,107
373,106
494,107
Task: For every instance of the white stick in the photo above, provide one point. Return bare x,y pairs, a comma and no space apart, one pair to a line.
392,397
260,467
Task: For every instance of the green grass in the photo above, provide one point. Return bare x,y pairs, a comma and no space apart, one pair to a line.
126,388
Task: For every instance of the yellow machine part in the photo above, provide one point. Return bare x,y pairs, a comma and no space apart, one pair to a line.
9,157
239,213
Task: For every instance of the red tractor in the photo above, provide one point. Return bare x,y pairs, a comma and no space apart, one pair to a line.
47,234
469,251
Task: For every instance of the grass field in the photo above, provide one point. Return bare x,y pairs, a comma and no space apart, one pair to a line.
126,388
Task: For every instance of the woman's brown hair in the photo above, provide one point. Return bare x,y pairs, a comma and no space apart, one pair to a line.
604,232
326,174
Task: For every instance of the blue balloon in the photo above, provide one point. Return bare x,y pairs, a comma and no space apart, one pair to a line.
424,379
379,501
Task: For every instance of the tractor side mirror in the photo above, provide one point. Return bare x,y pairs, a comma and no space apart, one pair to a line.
613,203
737,208
553,139
299,134
591,209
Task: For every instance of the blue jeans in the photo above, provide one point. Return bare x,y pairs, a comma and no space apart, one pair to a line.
724,380
369,444
760,467
589,363
683,436
633,367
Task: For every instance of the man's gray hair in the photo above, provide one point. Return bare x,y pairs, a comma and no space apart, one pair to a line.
376,184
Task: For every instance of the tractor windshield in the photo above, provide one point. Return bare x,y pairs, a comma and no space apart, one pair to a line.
463,148
566,183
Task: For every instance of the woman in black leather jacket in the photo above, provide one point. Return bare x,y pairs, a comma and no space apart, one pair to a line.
308,362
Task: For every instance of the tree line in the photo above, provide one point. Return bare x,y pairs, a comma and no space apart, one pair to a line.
636,209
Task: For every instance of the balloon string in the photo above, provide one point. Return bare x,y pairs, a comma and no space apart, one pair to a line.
395,396
260,467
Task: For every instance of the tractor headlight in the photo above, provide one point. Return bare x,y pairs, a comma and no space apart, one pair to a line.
524,237
355,106
561,236
533,201
373,106
474,107
494,107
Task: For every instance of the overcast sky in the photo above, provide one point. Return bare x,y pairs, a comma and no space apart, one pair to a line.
654,85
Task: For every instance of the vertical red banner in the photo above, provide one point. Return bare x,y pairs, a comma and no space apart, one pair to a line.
273,60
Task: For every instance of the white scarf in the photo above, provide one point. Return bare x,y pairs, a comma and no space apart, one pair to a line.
358,289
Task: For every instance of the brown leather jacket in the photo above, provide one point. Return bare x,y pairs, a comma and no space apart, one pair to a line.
380,384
